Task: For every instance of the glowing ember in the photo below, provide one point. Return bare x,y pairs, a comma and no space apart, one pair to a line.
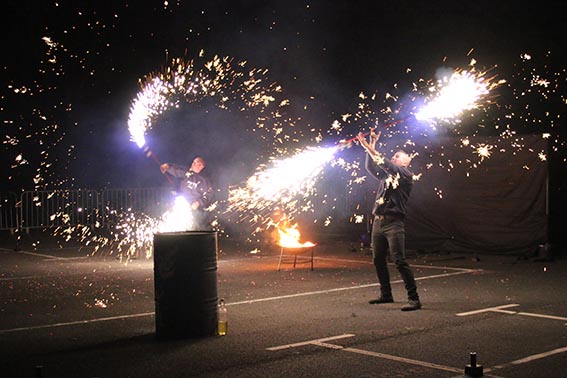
483,150
289,238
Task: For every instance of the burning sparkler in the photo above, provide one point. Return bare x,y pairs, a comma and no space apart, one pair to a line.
290,178
449,98
179,218
454,94
190,81
282,183
186,81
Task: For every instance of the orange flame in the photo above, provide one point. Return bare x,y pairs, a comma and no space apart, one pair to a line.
289,238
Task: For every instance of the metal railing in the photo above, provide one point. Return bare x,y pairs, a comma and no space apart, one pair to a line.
45,209
55,208
9,211
101,208
150,201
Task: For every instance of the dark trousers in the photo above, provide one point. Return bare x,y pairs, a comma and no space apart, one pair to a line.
388,236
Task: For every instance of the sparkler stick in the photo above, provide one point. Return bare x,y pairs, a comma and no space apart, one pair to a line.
349,141
150,153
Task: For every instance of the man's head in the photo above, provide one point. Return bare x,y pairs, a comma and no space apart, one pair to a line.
198,164
401,158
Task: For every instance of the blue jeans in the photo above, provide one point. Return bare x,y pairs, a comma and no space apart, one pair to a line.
389,236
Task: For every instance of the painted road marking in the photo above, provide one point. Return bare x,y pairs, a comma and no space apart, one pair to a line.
295,345
366,262
530,358
323,344
501,309
2,331
403,359
52,257
486,310
465,271
49,276
341,289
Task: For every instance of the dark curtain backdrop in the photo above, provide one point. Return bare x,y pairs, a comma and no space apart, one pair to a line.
497,207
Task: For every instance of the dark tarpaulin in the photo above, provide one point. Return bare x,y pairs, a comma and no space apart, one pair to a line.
499,206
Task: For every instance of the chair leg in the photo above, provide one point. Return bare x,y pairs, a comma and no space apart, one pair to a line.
312,249
280,262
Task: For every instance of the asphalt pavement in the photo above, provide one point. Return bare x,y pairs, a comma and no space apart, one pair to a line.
68,312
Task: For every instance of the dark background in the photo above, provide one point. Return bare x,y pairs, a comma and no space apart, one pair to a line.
67,108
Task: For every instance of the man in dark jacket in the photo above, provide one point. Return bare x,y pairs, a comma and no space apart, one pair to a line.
195,187
395,182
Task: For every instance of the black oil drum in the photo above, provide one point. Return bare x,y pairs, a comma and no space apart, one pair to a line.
185,282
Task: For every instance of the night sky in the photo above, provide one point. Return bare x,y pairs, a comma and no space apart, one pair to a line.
66,100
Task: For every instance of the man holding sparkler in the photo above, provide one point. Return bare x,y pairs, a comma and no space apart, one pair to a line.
388,229
195,187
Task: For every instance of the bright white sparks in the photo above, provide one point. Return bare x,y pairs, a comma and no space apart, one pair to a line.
281,183
189,81
179,218
454,95
149,103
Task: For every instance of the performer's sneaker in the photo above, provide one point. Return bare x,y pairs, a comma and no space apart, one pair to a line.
381,299
413,304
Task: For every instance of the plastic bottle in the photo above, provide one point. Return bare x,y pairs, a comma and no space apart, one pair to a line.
223,319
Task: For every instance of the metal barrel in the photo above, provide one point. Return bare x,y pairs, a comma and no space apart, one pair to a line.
185,283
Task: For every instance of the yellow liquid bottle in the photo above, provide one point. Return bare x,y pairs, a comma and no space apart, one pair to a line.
223,319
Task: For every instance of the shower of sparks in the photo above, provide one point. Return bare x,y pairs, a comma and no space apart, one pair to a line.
536,102
38,122
280,184
452,95
151,102
233,87
179,218
221,78
37,149
132,232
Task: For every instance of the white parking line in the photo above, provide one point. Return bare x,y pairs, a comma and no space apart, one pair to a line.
2,331
530,358
369,262
316,341
323,344
403,359
486,310
240,302
500,309
52,257
543,316
341,289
